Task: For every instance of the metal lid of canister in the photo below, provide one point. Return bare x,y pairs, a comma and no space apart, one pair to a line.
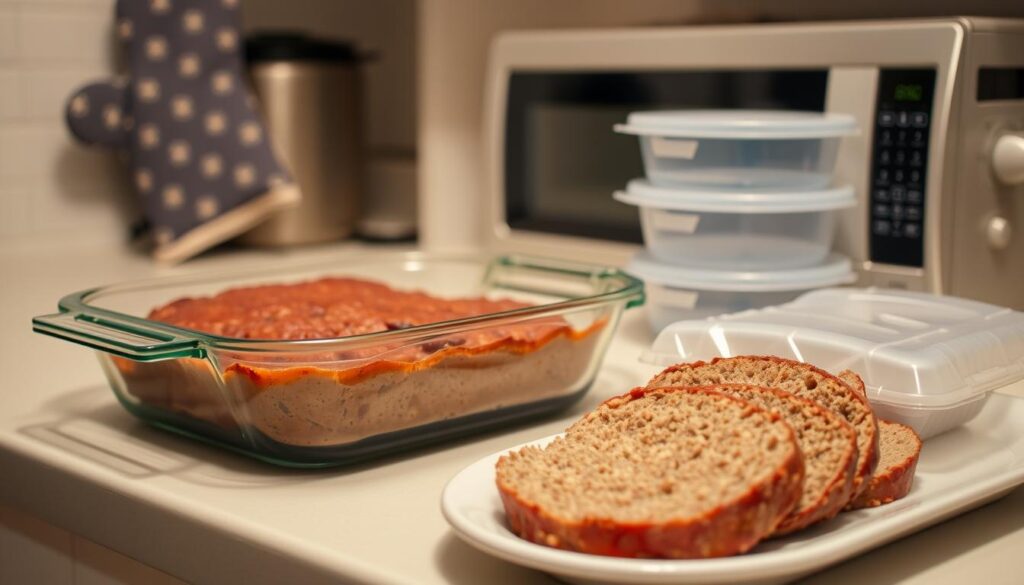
271,46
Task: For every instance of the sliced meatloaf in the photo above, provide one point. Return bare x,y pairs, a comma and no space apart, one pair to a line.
668,473
900,449
829,446
795,377
853,380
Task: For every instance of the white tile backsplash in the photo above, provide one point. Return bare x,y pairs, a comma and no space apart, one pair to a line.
8,33
49,184
44,153
27,150
15,212
65,34
11,94
68,186
46,91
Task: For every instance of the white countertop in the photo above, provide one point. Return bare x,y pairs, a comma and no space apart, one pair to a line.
72,456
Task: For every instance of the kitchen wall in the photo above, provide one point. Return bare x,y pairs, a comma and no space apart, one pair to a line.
424,87
51,188
47,184
454,36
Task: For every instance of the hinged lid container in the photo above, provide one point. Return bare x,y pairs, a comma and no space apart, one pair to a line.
929,361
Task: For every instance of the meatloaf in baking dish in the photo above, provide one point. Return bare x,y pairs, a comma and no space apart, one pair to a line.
342,394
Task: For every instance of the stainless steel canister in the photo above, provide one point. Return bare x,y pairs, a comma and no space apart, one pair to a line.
310,94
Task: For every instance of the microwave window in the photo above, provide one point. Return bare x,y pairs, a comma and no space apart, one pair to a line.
563,161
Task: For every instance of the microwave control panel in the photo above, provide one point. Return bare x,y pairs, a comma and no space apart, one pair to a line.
899,166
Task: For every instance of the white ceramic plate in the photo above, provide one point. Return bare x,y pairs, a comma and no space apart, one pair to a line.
959,470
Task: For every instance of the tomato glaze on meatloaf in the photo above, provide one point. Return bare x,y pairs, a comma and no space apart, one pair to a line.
342,394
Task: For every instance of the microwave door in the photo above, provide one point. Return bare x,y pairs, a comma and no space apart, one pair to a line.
562,161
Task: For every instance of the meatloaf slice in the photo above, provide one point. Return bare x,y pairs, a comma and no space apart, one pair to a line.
900,449
798,378
668,472
829,446
853,380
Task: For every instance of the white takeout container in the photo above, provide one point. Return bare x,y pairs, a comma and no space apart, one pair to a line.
750,149
737,230
675,293
928,361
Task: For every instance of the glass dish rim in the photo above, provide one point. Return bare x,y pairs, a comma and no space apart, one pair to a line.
78,303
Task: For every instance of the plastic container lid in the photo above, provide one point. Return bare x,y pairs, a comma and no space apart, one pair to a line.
912,349
642,193
835,270
742,124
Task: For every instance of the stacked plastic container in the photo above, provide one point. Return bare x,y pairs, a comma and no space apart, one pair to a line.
738,208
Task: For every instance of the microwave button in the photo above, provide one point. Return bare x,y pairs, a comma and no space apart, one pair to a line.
900,157
898,194
912,230
919,119
913,196
901,137
883,176
903,119
881,195
886,118
882,227
885,137
917,138
897,211
898,175
916,158
884,157
912,212
881,210
915,176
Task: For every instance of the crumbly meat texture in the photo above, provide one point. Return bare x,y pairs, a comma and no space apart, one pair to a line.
798,378
667,473
900,449
829,447
853,380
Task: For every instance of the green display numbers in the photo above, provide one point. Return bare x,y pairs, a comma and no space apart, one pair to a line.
908,92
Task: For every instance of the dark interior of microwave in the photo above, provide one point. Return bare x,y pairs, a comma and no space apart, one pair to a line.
563,161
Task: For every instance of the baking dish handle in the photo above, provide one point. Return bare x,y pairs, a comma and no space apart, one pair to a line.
117,337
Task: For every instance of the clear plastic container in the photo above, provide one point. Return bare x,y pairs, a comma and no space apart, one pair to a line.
741,230
334,401
927,361
675,293
739,149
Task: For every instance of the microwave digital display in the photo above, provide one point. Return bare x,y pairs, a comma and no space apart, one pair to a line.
908,92
899,166
563,161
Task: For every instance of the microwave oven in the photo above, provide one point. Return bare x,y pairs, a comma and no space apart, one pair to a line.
939,104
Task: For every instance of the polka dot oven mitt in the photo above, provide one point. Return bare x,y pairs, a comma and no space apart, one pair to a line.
202,162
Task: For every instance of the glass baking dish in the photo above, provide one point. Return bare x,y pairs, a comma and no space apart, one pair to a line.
321,402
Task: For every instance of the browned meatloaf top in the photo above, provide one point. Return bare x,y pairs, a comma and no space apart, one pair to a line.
318,309
336,307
